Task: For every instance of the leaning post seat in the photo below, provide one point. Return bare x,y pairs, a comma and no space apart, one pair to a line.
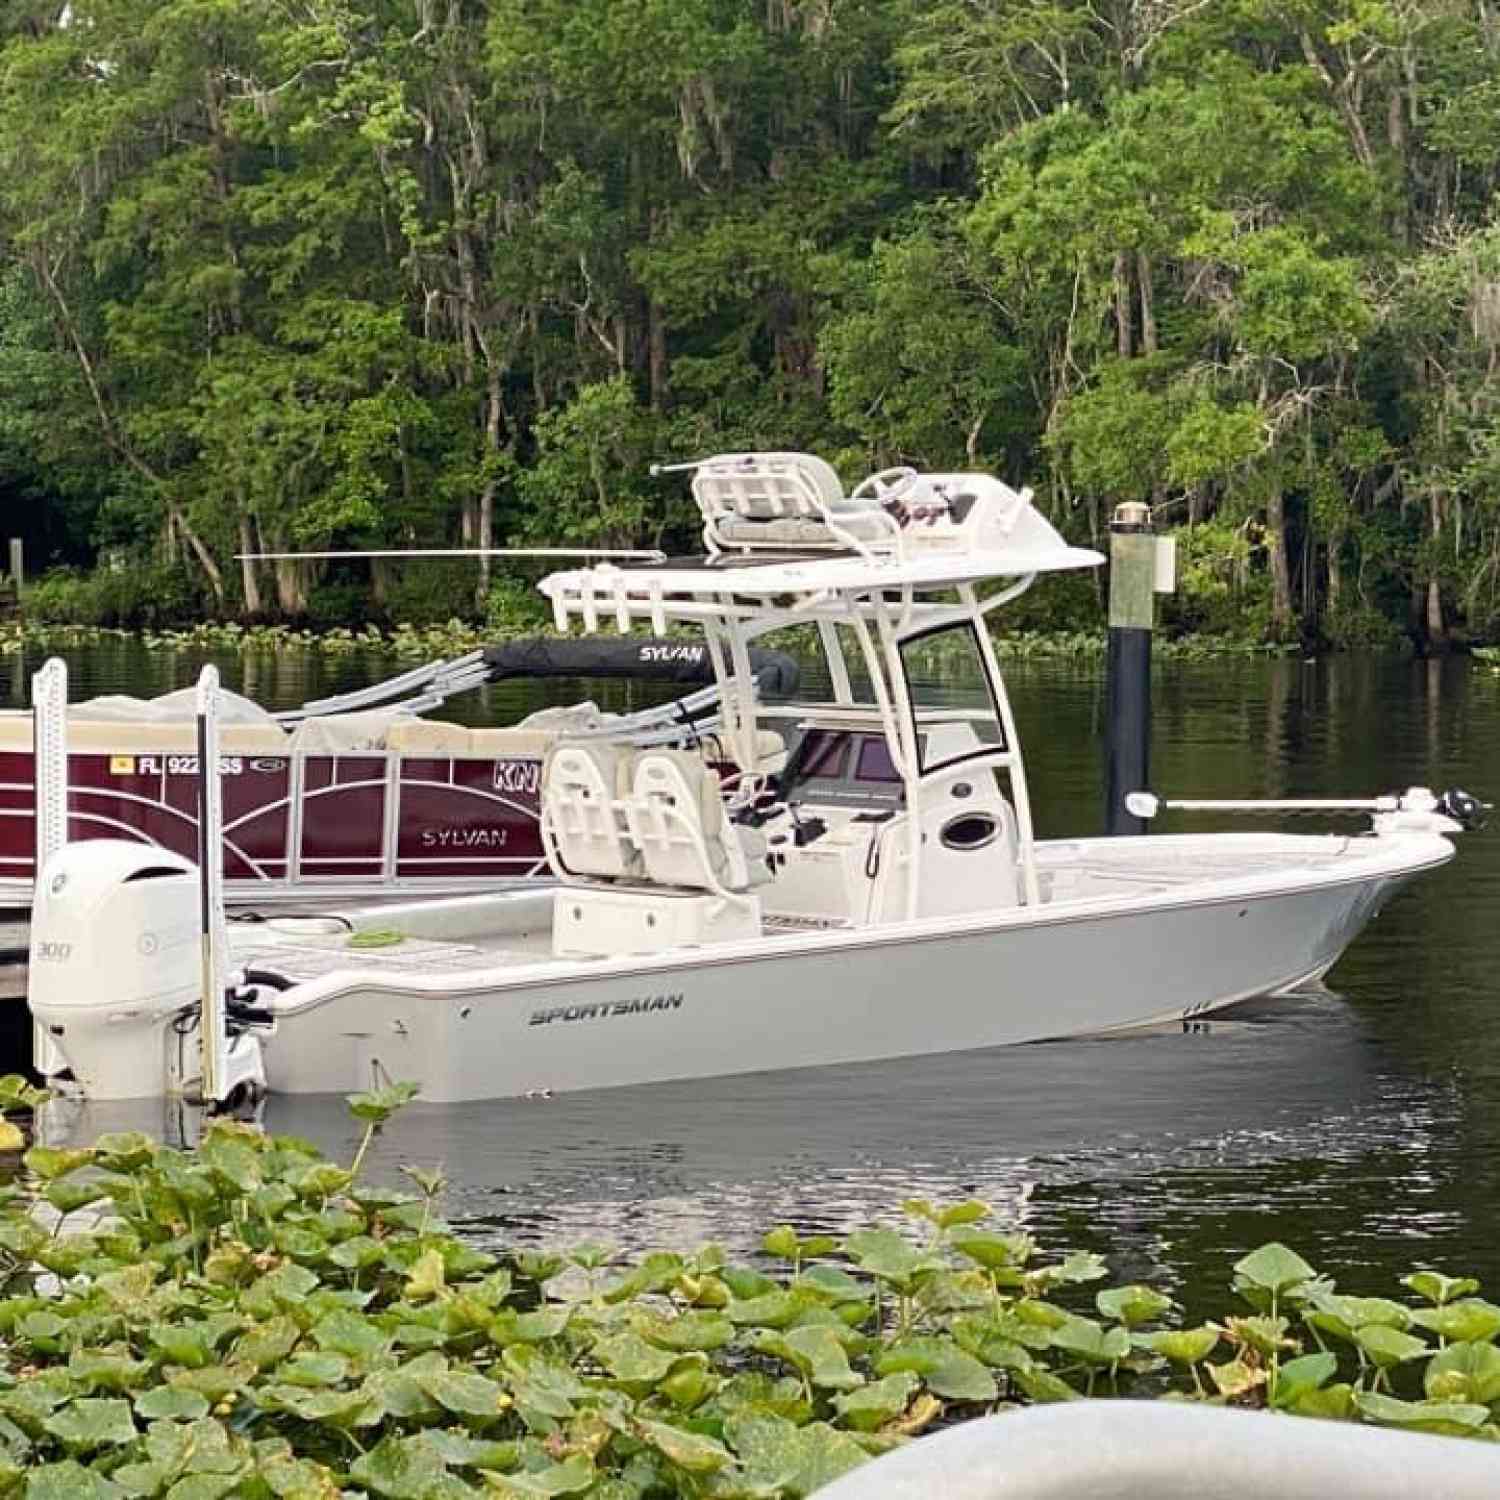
785,500
647,854
582,824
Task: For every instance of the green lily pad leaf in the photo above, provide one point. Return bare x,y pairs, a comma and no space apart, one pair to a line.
181,1344
691,1331
949,1371
1087,1340
428,1277
233,1160
1235,1377
107,1370
378,1105
816,1352
946,1216
1333,1402
782,1241
780,1458
1132,1305
1266,1335
124,1150
1389,1346
12,1137
143,1480
1454,1417
461,1450
693,1451
357,1252
567,1478
214,1381
66,1196
1437,1288
400,1394
50,1162
314,1370
289,1284
1464,1372
1297,1377
69,1481
17,1094
349,1333
342,1409
993,1341
92,1422
399,1468
1470,1320
690,1383
833,1285
267,1344
776,1309
627,1356
323,1179
467,1395
168,1403
874,1405
888,1255
204,1486
1273,1268
1080,1266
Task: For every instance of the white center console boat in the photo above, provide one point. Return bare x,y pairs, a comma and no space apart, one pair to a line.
827,881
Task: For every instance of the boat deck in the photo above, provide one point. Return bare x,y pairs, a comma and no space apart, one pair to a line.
1097,867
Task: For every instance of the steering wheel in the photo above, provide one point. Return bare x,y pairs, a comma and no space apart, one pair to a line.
885,485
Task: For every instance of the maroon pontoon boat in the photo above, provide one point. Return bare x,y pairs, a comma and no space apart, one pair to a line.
355,795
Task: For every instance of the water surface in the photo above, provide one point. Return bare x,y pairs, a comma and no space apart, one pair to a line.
1360,1123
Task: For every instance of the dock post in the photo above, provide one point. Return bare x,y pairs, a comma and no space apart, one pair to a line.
17,565
1136,566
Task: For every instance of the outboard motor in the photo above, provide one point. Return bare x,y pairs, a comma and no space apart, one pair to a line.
116,956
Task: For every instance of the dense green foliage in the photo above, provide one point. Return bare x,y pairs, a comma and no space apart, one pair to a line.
382,272
252,1320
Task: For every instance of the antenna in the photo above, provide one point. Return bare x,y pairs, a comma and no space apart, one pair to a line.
649,554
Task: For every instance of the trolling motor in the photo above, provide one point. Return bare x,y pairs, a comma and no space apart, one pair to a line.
1417,809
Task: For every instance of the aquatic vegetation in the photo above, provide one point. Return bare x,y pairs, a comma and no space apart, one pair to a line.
252,1319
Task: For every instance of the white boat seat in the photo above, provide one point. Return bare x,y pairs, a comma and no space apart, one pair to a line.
677,820
784,500
582,784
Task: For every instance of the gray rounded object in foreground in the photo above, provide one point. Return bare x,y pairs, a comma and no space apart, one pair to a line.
1150,1450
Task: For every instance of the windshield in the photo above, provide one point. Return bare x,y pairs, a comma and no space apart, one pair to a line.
951,695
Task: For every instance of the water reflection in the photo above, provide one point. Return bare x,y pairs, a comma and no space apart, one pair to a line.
1360,1123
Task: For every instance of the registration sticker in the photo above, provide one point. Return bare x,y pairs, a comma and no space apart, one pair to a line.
122,765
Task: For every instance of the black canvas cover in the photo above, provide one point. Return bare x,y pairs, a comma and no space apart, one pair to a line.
642,657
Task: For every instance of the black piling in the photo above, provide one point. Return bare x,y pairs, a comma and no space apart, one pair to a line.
1132,615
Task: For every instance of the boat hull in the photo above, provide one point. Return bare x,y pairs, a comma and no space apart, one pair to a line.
1021,975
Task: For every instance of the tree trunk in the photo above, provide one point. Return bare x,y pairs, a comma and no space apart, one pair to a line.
1281,571
1437,635
249,571
1124,321
657,360
1148,307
